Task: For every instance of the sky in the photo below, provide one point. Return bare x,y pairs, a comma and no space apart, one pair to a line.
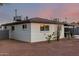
43,10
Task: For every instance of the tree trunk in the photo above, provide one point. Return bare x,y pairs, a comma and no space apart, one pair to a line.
58,30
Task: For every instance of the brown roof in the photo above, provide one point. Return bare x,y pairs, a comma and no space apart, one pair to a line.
33,20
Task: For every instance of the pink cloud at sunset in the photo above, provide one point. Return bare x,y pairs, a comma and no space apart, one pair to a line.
43,10
46,13
67,10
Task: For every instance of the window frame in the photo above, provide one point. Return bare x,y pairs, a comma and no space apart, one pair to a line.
41,28
5,27
44,28
12,28
24,26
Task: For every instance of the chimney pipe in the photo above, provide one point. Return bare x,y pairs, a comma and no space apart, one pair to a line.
26,17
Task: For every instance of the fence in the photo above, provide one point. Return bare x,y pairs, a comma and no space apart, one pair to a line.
76,31
4,34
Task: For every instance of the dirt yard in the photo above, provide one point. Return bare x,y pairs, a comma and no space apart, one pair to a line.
60,48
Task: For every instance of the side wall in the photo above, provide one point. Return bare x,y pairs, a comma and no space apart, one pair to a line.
37,35
19,33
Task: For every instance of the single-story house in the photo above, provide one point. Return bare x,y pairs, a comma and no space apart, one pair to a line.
33,29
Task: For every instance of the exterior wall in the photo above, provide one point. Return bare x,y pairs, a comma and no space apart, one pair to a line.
37,35
19,33
33,33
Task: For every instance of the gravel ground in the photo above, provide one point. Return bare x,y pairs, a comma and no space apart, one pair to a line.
63,47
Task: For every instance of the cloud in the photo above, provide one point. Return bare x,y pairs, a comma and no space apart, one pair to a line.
46,13
52,10
70,10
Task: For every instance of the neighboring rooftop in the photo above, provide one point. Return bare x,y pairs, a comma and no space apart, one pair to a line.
33,20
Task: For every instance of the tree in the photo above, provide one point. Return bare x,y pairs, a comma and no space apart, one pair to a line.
58,29
73,29
55,35
49,37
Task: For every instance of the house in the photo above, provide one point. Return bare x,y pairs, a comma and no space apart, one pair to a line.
33,29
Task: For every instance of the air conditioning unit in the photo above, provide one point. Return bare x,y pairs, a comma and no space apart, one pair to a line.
17,18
